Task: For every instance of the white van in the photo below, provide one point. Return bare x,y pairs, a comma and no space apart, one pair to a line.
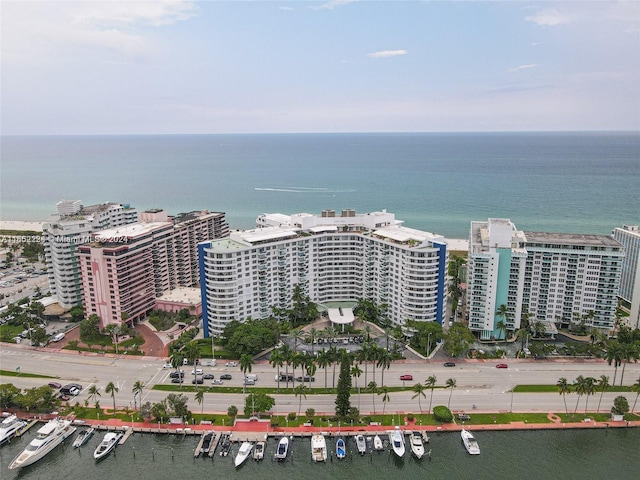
251,377
57,337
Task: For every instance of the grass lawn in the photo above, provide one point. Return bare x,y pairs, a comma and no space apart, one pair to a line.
11,373
554,389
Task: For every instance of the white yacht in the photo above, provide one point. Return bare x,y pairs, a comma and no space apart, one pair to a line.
283,448
470,442
377,443
107,444
396,439
83,437
361,444
50,435
243,453
10,427
416,444
318,448
258,451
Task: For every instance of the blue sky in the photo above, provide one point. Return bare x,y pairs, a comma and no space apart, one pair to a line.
120,67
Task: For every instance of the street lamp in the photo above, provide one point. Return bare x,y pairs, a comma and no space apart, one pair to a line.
513,387
428,345
131,421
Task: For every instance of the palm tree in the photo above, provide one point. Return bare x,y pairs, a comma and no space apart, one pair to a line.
589,389
450,383
603,384
285,350
300,391
563,389
372,388
94,392
276,360
635,388
246,362
419,389
431,383
324,361
374,354
614,355
335,358
312,336
112,389
295,360
384,391
580,390
502,312
137,391
384,362
297,334
199,398
361,357
629,354
356,372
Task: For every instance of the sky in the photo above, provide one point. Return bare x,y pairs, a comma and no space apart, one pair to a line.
198,67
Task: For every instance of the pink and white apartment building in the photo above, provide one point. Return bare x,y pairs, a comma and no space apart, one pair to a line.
126,270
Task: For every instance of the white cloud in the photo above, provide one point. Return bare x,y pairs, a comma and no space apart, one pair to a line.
288,9
586,12
549,17
523,67
333,4
156,13
387,53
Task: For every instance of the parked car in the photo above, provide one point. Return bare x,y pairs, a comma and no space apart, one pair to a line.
406,377
225,376
208,376
305,379
217,382
449,364
249,381
167,365
231,364
176,380
176,374
55,385
64,398
197,371
502,365
197,381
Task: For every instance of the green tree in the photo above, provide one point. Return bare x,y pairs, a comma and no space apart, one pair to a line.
9,395
629,354
199,397
159,410
343,402
620,405
246,362
177,405
324,360
603,384
418,390
431,383
276,360
580,386
232,411
458,339
589,389
384,362
94,392
450,383
635,388
90,328
501,325
563,389
384,391
257,403
356,372
138,386
111,389
614,355
300,391
372,388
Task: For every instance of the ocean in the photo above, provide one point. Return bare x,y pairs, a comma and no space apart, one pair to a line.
556,182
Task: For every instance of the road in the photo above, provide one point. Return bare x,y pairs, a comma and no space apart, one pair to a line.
479,384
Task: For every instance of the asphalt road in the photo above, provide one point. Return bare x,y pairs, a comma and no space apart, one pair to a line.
478,383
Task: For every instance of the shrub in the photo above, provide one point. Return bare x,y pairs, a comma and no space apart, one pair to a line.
620,405
442,414
291,415
410,417
310,412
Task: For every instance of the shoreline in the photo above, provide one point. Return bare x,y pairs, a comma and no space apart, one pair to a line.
23,226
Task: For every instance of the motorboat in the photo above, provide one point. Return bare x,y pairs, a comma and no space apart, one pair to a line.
361,444
243,453
107,444
207,440
318,448
283,448
416,444
341,450
50,435
470,442
83,437
225,445
396,439
10,427
258,451
377,443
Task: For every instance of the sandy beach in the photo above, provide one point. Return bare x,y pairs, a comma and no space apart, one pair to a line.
22,226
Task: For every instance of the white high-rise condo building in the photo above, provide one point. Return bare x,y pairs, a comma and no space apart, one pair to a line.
495,277
71,227
629,236
572,277
333,258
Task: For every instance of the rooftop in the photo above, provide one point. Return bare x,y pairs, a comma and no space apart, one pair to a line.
571,239
188,296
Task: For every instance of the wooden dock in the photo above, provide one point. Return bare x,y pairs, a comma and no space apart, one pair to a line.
126,436
214,444
26,428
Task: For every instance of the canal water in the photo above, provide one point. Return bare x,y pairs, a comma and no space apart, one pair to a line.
566,454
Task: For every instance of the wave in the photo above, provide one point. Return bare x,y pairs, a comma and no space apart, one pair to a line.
301,190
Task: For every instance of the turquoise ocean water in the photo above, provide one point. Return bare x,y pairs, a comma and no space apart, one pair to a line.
565,182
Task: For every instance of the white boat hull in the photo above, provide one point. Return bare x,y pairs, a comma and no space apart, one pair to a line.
243,453
108,443
470,442
52,434
10,427
377,443
396,439
318,448
283,448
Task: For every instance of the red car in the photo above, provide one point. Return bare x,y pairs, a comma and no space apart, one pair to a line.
406,377
502,365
